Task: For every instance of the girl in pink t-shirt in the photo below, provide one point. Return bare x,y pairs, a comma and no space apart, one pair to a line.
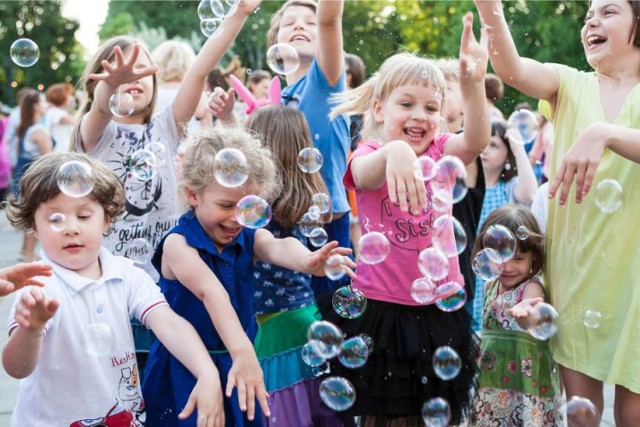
423,352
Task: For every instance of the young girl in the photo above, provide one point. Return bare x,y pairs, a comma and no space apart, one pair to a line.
509,178
518,382
403,107
284,301
70,340
596,131
206,265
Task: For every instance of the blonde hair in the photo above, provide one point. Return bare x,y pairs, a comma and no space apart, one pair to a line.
174,58
39,184
398,70
105,52
199,158
285,131
450,68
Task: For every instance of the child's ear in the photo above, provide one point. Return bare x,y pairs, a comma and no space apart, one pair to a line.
377,111
192,196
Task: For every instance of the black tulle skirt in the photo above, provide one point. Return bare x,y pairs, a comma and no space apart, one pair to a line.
398,377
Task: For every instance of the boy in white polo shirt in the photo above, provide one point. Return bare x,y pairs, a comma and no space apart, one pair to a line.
70,341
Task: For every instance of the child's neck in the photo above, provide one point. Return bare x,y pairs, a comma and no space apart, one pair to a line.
137,119
492,177
299,73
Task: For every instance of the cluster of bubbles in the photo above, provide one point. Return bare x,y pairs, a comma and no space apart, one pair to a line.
24,52
311,226
283,59
608,195
499,247
522,126
211,14
446,178
98,339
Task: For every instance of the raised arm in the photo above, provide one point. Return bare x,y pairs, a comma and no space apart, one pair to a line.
527,184
190,92
530,77
330,58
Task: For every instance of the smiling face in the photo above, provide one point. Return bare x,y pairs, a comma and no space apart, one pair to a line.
607,32
299,28
77,246
517,270
410,113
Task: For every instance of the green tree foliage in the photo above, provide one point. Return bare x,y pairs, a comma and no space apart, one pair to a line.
60,54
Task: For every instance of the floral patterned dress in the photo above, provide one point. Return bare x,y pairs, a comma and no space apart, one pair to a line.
517,380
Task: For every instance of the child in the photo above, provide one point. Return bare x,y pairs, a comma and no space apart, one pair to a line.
403,107
509,179
595,137
517,382
206,265
21,275
284,301
50,329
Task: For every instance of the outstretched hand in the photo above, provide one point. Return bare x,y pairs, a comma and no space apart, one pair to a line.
21,275
246,374
123,70
221,103
317,259
522,310
580,163
206,396
474,55
34,309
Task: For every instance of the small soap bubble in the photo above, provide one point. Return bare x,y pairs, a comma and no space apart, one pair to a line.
424,379
310,357
218,9
58,222
121,104
543,321
159,151
314,212
487,264
581,412
349,302
141,165
208,27
424,168
450,245
319,237
446,363
75,178
501,239
448,181
308,223
322,202
310,160
368,341
525,123
205,10
353,353
139,250
433,263
450,297
436,412
327,334
253,212
230,168
373,247
337,393
592,319
283,59
24,52
423,291
608,195
333,267
98,339
522,233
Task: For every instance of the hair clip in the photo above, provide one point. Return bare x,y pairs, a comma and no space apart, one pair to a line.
273,95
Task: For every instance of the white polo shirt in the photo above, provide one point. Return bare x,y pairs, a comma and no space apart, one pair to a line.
82,378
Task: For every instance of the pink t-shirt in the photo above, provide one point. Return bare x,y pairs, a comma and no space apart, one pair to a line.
408,234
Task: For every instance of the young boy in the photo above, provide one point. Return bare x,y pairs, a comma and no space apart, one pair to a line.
70,341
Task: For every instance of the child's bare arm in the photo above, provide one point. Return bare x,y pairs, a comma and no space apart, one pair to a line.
22,351
21,275
329,55
532,296
182,340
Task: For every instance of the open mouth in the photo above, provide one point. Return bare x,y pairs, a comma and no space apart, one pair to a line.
134,91
300,38
414,134
595,40
230,231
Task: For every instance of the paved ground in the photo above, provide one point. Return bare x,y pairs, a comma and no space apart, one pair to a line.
10,241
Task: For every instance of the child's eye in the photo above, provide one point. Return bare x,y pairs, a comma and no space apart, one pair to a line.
84,216
406,104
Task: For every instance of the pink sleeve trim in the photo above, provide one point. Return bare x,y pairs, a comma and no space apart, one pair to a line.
150,309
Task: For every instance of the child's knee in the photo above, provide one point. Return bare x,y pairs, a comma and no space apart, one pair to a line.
627,415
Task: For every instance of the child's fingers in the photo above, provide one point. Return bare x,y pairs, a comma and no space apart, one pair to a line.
401,193
557,180
52,307
188,408
567,180
34,282
467,31
231,382
391,189
108,68
6,287
263,400
242,395
251,403
98,76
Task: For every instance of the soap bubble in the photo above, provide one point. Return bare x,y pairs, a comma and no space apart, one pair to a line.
436,412
328,335
446,363
581,412
230,168
608,195
373,247
449,179
283,59
319,237
592,319
337,393
310,160
525,124
349,302
522,233
543,321
75,178
253,212
310,357
424,168
487,264
450,297
121,104
141,165
433,264
451,247
159,151
423,291
501,239
308,223
368,342
354,353
205,10
58,222
98,339
208,27
333,267
139,250
322,202
24,52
